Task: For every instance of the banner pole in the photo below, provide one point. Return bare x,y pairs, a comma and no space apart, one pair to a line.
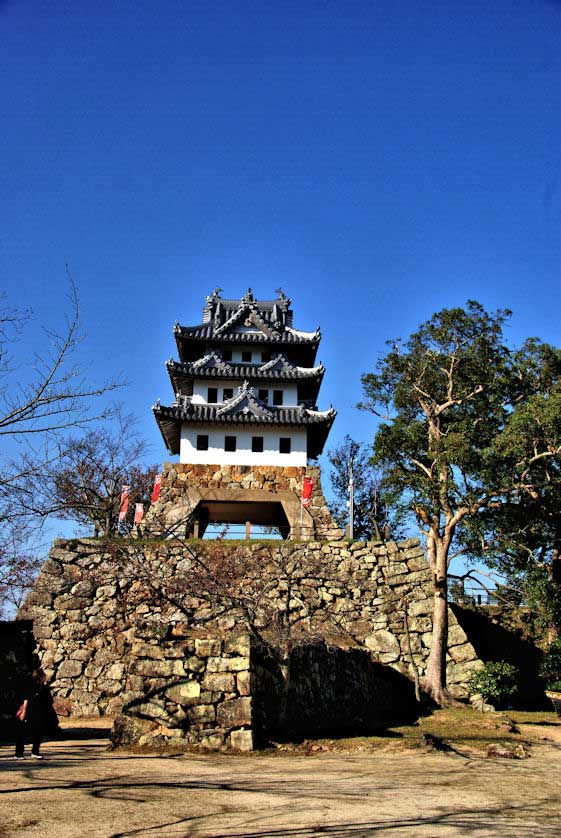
301,506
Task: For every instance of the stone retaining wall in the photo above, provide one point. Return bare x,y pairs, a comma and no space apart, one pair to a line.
104,641
193,690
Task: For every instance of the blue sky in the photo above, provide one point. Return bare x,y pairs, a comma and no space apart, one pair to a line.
378,160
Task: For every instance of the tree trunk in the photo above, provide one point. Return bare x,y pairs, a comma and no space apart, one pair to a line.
555,577
435,678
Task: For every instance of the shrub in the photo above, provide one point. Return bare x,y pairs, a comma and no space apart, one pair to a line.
497,682
550,667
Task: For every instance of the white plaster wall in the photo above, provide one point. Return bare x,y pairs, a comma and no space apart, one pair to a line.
256,356
243,455
200,390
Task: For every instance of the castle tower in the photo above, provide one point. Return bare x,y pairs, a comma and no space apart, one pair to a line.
245,390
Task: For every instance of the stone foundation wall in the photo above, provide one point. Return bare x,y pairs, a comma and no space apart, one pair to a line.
103,638
184,485
191,690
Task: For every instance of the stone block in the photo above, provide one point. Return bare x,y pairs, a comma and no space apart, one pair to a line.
418,563
241,740
457,673
237,645
420,624
194,664
227,664
106,591
243,683
420,607
39,598
127,730
202,713
207,647
213,742
234,713
115,672
384,644
146,650
219,682
83,588
183,693
456,635
396,569
464,652
70,669
152,668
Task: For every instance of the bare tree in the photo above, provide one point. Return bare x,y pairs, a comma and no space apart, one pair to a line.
39,402
83,482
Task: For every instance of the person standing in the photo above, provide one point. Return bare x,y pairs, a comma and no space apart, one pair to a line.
32,717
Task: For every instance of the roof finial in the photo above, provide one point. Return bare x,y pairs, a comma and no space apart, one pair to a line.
280,294
214,295
248,296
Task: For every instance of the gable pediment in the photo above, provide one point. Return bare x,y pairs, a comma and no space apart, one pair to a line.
278,363
245,401
246,318
212,360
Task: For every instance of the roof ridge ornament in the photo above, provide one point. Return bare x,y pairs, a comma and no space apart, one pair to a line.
214,295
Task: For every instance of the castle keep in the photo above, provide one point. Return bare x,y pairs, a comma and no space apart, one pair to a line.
244,420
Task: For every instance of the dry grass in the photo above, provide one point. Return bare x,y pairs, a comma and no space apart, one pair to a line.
462,729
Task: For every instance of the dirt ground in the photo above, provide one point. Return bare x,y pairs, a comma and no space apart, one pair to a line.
82,789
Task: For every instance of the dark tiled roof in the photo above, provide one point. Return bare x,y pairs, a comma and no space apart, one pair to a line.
214,366
243,409
206,331
195,413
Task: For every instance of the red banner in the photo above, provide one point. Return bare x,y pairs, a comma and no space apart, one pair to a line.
138,513
307,486
124,503
156,489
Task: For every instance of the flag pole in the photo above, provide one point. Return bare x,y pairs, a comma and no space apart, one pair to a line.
301,506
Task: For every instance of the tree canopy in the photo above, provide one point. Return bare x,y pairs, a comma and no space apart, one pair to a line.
468,427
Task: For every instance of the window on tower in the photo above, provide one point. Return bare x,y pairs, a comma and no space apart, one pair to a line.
265,356
202,442
227,393
277,396
227,354
212,395
246,357
264,396
229,443
284,445
257,444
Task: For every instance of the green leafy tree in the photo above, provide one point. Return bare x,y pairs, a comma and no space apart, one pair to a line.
466,427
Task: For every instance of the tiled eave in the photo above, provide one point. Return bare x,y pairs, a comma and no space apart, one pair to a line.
182,371
206,332
171,418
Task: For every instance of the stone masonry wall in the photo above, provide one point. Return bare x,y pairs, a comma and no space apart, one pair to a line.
194,690
183,484
105,643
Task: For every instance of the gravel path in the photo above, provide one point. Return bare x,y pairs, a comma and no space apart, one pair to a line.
82,789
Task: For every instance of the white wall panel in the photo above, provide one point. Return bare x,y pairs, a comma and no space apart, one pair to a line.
243,455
